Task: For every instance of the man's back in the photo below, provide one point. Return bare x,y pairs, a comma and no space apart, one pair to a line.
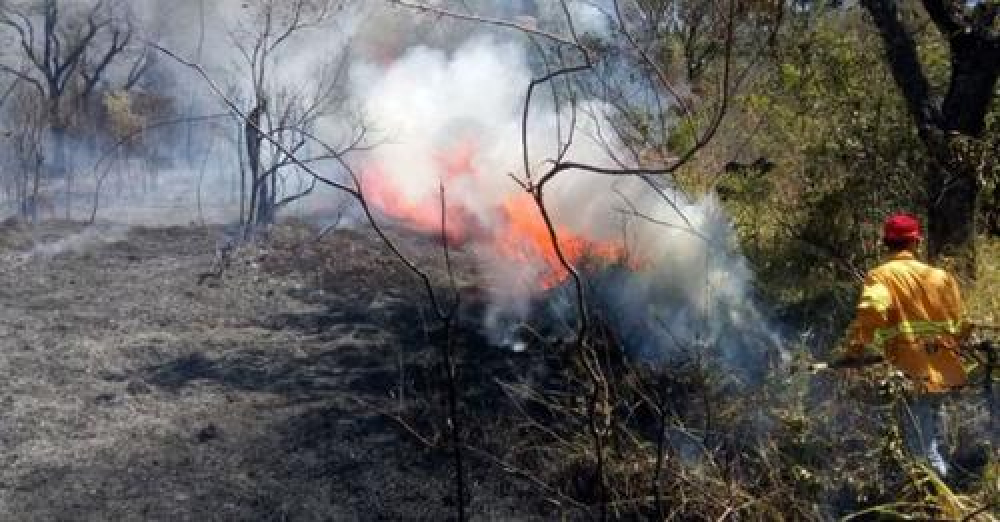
911,313
919,324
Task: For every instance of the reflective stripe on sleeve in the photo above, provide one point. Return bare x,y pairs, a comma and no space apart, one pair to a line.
912,330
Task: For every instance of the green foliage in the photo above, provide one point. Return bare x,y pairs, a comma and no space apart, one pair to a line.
989,173
845,154
983,301
683,136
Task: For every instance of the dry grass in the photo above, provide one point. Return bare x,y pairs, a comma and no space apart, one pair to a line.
262,391
134,393
983,300
792,447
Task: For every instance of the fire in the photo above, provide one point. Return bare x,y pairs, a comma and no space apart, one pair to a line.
422,215
524,237
516,232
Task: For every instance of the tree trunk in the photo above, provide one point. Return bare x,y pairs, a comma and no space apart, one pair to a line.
35,185
953,188
264,207
950,129
952,209
974,72
253,142
243,177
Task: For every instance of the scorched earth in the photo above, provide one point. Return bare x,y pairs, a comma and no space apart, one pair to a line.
136,386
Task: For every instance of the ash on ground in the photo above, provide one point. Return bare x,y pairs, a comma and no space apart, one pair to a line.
132,392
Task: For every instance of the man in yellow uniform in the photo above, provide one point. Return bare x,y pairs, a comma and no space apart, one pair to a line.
911,314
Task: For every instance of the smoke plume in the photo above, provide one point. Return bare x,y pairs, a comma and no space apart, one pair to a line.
442,103
452,118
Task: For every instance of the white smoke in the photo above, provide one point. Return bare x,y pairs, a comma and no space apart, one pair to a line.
430,100
199,179
590,18
86,240
690,287
427,86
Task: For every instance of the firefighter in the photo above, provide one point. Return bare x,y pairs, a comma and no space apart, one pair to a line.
911,315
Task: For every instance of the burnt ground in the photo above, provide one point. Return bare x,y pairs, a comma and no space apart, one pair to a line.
132,392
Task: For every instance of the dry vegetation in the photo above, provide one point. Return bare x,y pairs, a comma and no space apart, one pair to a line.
792,446
303,384
283,372
133,393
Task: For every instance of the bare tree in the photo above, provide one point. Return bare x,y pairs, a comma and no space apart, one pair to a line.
65,53
28,121
59,45
283,113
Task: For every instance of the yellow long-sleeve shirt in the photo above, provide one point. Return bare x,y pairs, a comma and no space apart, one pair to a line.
913,314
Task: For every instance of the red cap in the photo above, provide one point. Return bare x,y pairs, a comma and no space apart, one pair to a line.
901,227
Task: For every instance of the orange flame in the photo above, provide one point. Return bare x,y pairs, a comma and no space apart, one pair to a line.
519,234
424,215
524,237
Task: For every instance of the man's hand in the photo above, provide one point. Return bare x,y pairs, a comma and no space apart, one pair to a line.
815,368
845,363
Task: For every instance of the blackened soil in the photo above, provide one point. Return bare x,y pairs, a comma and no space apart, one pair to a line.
132,392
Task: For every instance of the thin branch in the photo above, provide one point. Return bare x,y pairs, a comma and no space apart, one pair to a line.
128,138
490,21
9,91
295,197
24,76
119,41
355,192
633,211
660,74
243,116
527,109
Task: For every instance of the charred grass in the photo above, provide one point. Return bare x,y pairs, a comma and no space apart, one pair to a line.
305,382
134,393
